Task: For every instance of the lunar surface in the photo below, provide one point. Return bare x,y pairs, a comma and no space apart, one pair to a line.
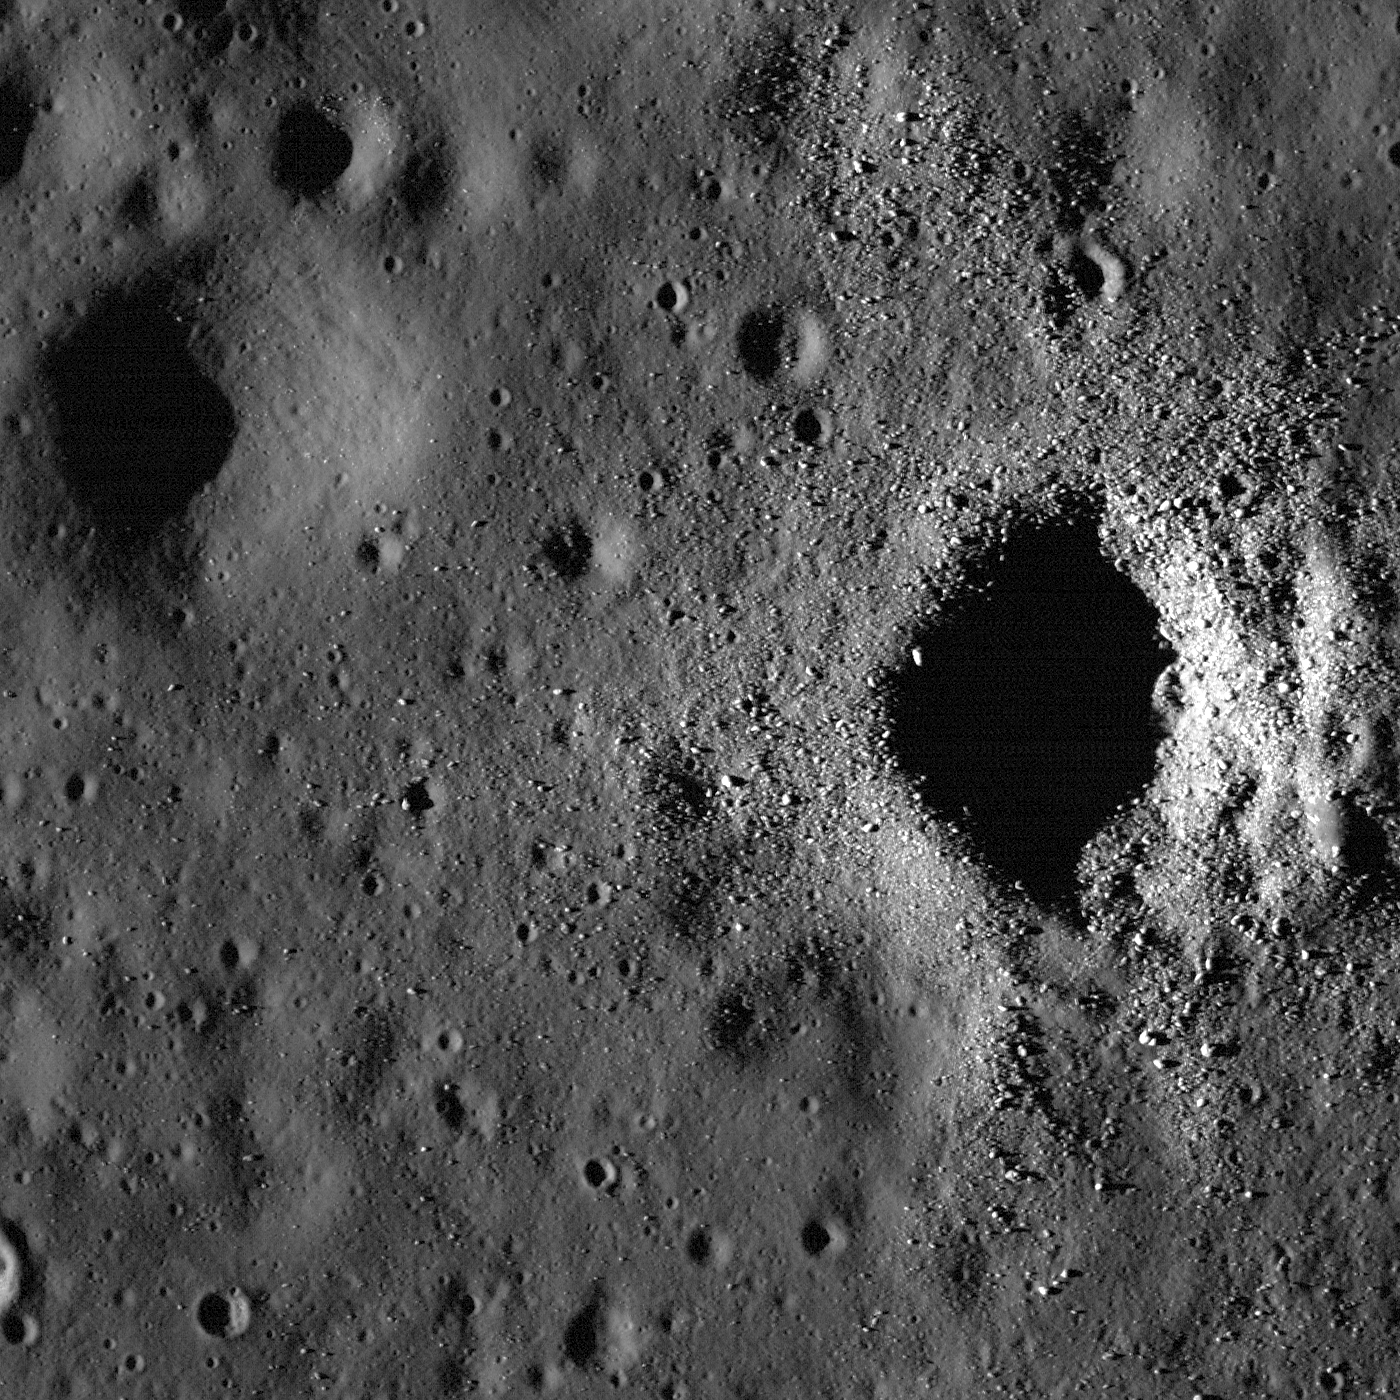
699,699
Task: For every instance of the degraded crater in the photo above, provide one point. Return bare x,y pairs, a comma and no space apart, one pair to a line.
583,1334
768,93
200,11
425,185
206,21
140,428
699,1247
568,550
1082,169
1083,272
1025,715
311,152
734,1027
823,1238
450,1108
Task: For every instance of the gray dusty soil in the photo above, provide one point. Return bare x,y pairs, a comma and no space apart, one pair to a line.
698,699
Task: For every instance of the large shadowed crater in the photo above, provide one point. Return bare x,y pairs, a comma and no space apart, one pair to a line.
141,430
311,152
17,111
1029,719
760,342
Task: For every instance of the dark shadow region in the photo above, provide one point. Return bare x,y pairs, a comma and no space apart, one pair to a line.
311,152
16,126
141,430
1029,721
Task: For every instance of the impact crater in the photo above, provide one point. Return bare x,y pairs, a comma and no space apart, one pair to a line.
1025,714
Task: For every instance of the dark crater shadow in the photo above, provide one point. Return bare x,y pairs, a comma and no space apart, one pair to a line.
140,428
425,186
1030,720
768,93
311,152
583,1333
1076,282
1080,171
208,24
214,1314
760,342
568,550
200,11
16,125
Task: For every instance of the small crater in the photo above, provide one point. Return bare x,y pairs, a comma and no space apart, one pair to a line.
141,430
812,427
822,1239
1230,487
80,788
19,1329
421,797
311,152
600,1173
672,297
383,554
707,1249
1085,273
237,954
224,1313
